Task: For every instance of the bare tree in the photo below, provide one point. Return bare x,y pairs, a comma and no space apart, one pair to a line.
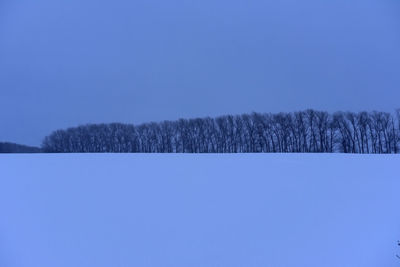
304,131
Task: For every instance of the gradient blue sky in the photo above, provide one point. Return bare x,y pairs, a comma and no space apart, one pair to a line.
64,63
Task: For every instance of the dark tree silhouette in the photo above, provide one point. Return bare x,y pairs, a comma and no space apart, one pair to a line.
6,147
301,132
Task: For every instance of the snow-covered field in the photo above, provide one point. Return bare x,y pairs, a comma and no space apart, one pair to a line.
278,210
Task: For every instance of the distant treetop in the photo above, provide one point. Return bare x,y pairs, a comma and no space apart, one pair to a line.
306,131
6,147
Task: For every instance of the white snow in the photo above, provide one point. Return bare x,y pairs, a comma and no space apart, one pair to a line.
81,210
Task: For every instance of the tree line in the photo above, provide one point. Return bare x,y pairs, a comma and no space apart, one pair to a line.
302,132
6,147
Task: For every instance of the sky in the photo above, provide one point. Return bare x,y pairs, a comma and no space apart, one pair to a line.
199,210
66,63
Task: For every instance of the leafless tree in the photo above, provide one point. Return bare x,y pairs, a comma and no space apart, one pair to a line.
304,131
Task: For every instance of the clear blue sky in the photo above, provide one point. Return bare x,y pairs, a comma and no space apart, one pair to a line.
64,63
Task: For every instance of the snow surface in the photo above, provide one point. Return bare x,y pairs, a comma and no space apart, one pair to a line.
322,210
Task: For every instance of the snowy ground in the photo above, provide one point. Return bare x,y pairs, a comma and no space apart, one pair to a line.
278,210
